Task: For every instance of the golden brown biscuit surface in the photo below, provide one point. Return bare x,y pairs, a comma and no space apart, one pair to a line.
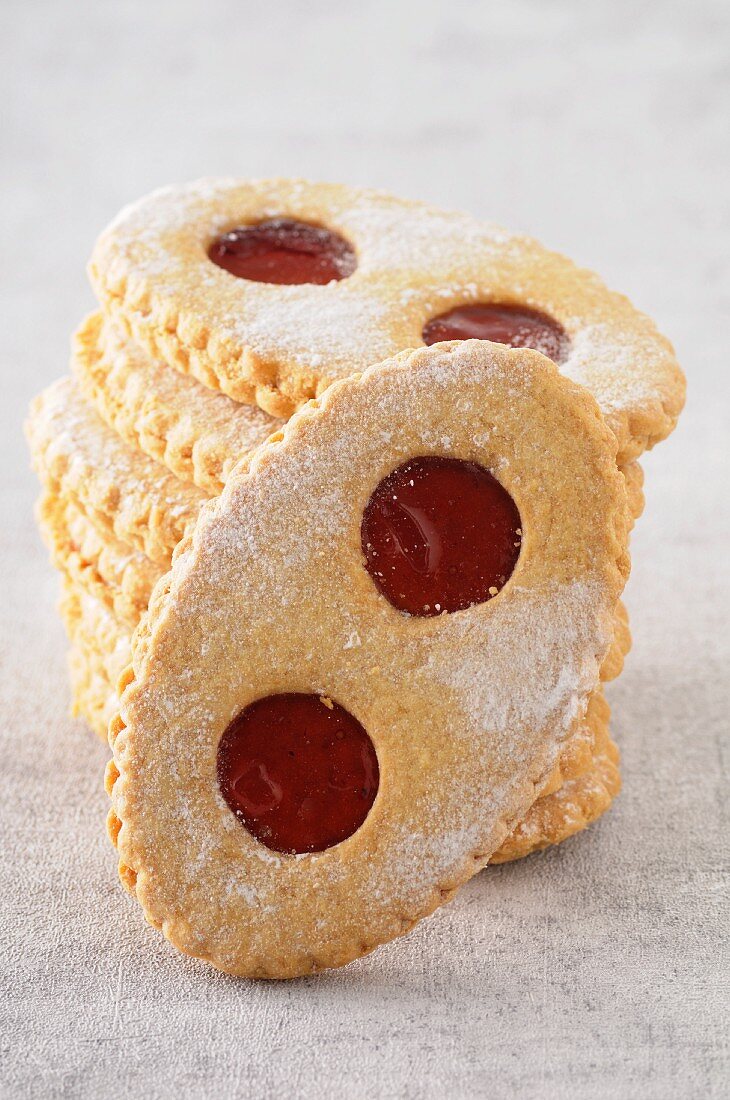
280,345
101,649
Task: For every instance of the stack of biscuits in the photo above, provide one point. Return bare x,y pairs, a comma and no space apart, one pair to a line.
226,305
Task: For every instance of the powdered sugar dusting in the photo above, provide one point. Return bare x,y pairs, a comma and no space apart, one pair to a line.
569,621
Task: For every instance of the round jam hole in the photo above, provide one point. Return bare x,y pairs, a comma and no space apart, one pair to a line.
299,771
282,250
440,534
504,324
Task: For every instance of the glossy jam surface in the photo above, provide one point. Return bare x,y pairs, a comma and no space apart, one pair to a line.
440,534
299,771
282,250
505,324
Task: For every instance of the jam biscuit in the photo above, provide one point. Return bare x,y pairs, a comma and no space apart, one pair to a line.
119,572
196,433
269,290
127,496
122,580
123,492
119,576
417,594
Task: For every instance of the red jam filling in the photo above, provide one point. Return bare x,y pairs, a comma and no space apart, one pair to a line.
440,534
504,324
299,771
282,250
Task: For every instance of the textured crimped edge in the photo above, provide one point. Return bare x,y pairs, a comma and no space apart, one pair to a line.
471,863
181,444
634,478
127,515
120,584
193,347
99,649
620,648
187,448
636,430
87,701
577,803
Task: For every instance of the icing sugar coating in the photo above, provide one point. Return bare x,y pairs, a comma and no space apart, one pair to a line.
467,712
280,345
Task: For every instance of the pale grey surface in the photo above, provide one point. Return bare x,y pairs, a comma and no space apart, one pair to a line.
599,969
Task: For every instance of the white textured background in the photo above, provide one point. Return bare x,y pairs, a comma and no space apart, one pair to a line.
599,969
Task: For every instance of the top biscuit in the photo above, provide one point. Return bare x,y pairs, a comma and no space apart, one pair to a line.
400,264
